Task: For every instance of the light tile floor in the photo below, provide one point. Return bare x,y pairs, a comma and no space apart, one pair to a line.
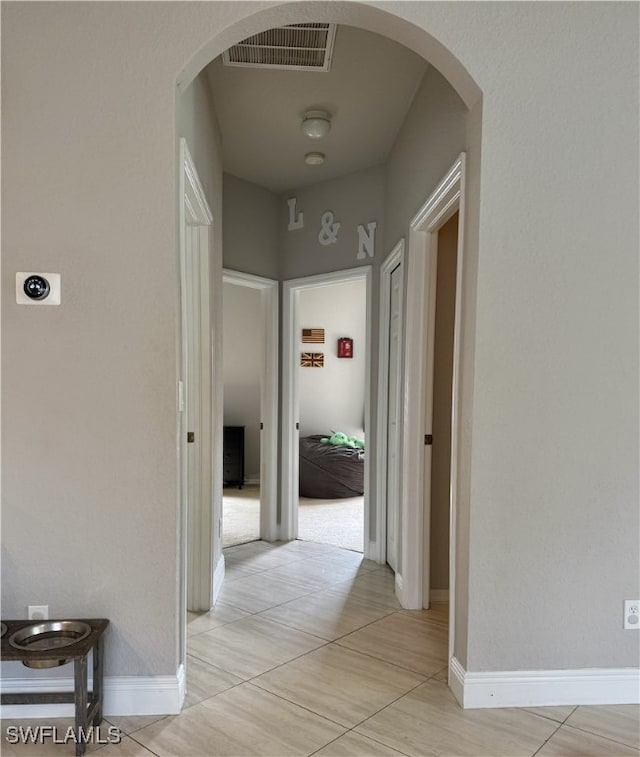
308,652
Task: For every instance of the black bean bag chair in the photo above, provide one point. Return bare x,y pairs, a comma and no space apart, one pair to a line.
330,472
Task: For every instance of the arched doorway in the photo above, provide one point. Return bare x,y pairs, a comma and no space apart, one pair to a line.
430,49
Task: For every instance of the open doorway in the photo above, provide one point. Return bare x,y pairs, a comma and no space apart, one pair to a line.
326,403
434,321
356,209
250,311
241,431
446,264
331,388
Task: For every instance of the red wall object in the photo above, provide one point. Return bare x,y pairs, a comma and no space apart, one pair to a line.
345,347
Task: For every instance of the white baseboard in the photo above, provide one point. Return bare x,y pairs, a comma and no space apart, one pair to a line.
539,688
399,587
123,695
252,481
439,595
218,577
371,551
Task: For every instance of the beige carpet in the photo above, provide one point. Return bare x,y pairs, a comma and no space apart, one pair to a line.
327,521
332,521
240,515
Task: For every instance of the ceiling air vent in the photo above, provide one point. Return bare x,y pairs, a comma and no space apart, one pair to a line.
299,46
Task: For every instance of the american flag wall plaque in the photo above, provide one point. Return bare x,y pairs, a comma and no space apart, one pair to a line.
312,359
313,336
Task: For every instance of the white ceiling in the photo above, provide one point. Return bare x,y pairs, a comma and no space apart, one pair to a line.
368,90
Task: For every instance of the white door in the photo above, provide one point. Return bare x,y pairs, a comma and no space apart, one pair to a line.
195,398
394,410
192,409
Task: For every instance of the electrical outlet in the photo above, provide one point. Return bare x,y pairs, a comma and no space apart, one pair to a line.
38,612
632,614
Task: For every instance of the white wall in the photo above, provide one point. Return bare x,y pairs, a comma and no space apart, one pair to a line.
550,385
354,199
250,228
242,318
332,397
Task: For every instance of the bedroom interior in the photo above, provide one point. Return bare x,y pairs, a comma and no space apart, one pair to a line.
331,403
241,397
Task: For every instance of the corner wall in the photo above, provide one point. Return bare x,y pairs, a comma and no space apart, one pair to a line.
251,236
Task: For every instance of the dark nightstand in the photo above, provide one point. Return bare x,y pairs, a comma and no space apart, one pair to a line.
233,456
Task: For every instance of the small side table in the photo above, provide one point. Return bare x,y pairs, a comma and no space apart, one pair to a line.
88,704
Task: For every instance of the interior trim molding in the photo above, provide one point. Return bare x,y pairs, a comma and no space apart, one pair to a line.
218,577
399,588
123,695
267,477
394,260
447,198
290,434
540,688
439,595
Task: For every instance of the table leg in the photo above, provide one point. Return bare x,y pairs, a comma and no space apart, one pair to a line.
80,675
98,676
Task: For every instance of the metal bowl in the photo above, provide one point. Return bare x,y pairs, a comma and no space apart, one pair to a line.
3,629
49,635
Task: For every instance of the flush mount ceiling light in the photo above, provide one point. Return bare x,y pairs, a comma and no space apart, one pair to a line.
316,123
314,158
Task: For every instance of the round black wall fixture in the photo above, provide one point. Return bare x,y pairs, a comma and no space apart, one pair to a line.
36,287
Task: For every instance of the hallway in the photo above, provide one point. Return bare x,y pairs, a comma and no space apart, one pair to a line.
308,652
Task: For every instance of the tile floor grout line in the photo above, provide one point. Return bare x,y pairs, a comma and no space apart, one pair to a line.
547,740
145,747
570,714
387,662
361,628
286,662
206,662
349,728
595,733
213,696
217,669
269,670
373,657
293,599
530,709
329,641
352,730
389,704
297,704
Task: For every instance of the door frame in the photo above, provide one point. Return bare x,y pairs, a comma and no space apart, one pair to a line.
447,198
288,521
393,259
269,303
196,518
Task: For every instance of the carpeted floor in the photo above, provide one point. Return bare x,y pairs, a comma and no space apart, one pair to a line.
332,521
240,515
327,521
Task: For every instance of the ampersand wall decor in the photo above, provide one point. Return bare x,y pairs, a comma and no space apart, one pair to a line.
329,229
